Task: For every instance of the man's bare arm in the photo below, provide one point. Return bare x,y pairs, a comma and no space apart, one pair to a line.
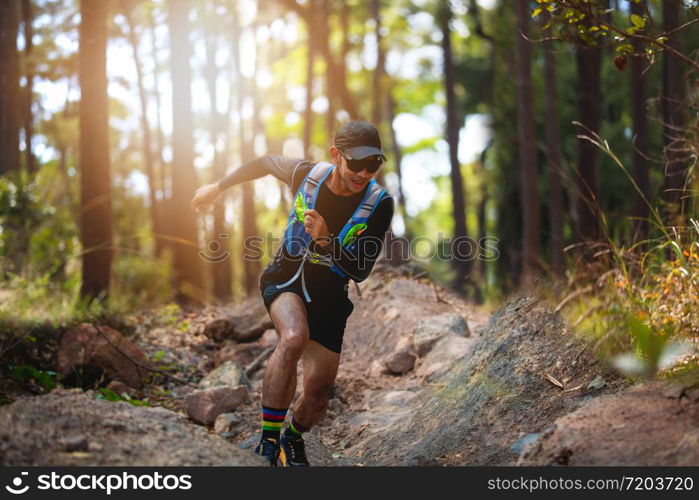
279,166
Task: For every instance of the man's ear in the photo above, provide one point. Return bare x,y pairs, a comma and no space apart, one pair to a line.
334,154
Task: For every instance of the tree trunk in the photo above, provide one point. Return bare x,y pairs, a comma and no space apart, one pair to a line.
220,270
164,222
308,114
9,86
28,18
330,75
461,261
249,227
145,130
95,177
639,65
188,274
527,151
377,101
673,109
555,158
379,77
588,61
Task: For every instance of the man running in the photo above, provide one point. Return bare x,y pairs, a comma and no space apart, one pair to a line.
337,223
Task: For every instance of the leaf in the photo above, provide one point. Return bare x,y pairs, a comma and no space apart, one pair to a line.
625,47
638,21
109,394
536,12
157,355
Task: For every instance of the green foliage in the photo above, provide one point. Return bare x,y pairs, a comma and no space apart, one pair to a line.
26,373
645,315
140,280
107,394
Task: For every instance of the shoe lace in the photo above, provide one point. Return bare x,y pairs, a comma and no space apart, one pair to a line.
298,450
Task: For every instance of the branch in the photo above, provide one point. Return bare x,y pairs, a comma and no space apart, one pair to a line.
141,365
633,36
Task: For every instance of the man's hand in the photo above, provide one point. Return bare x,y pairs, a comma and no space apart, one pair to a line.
205,196
315,225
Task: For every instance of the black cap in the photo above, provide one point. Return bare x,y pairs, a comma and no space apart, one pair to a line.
360,139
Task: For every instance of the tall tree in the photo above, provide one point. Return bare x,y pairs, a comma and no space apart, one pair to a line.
461,263
308,113
146,145
28,20
188,275
220,271
250,267
378,94
527,150
588,61
95,177
379,74
638,83
9,86
673,105
164,170
554,157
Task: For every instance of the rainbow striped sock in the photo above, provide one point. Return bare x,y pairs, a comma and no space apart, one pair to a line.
295,428
272,421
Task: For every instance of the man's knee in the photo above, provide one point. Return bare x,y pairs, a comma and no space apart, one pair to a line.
292,342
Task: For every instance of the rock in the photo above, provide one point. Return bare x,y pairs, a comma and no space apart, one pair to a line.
377,369
400,361
638,427
390,315
528,439
228,374
407,289
76,443
443,355
85,347
33,432
432,329
205,405
246,322
227,422
673,390
243,354
597,383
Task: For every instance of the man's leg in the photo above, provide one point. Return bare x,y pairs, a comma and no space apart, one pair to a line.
319,371
289,317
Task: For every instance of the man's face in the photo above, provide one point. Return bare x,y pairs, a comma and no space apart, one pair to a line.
353,181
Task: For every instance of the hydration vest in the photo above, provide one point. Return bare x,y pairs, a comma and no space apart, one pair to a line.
296,240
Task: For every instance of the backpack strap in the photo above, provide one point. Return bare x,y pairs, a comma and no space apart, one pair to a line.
367,207
314,179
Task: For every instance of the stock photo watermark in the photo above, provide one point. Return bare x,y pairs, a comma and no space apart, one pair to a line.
367,249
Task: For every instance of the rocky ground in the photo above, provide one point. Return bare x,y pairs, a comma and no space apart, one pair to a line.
425,379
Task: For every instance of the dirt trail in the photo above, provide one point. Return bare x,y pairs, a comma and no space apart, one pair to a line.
514,387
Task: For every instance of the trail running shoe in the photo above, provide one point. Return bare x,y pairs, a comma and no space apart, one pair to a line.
292,452
269,449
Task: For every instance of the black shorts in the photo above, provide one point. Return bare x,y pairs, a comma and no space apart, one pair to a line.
326,318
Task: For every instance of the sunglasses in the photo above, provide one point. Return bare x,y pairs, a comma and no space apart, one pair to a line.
370,164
